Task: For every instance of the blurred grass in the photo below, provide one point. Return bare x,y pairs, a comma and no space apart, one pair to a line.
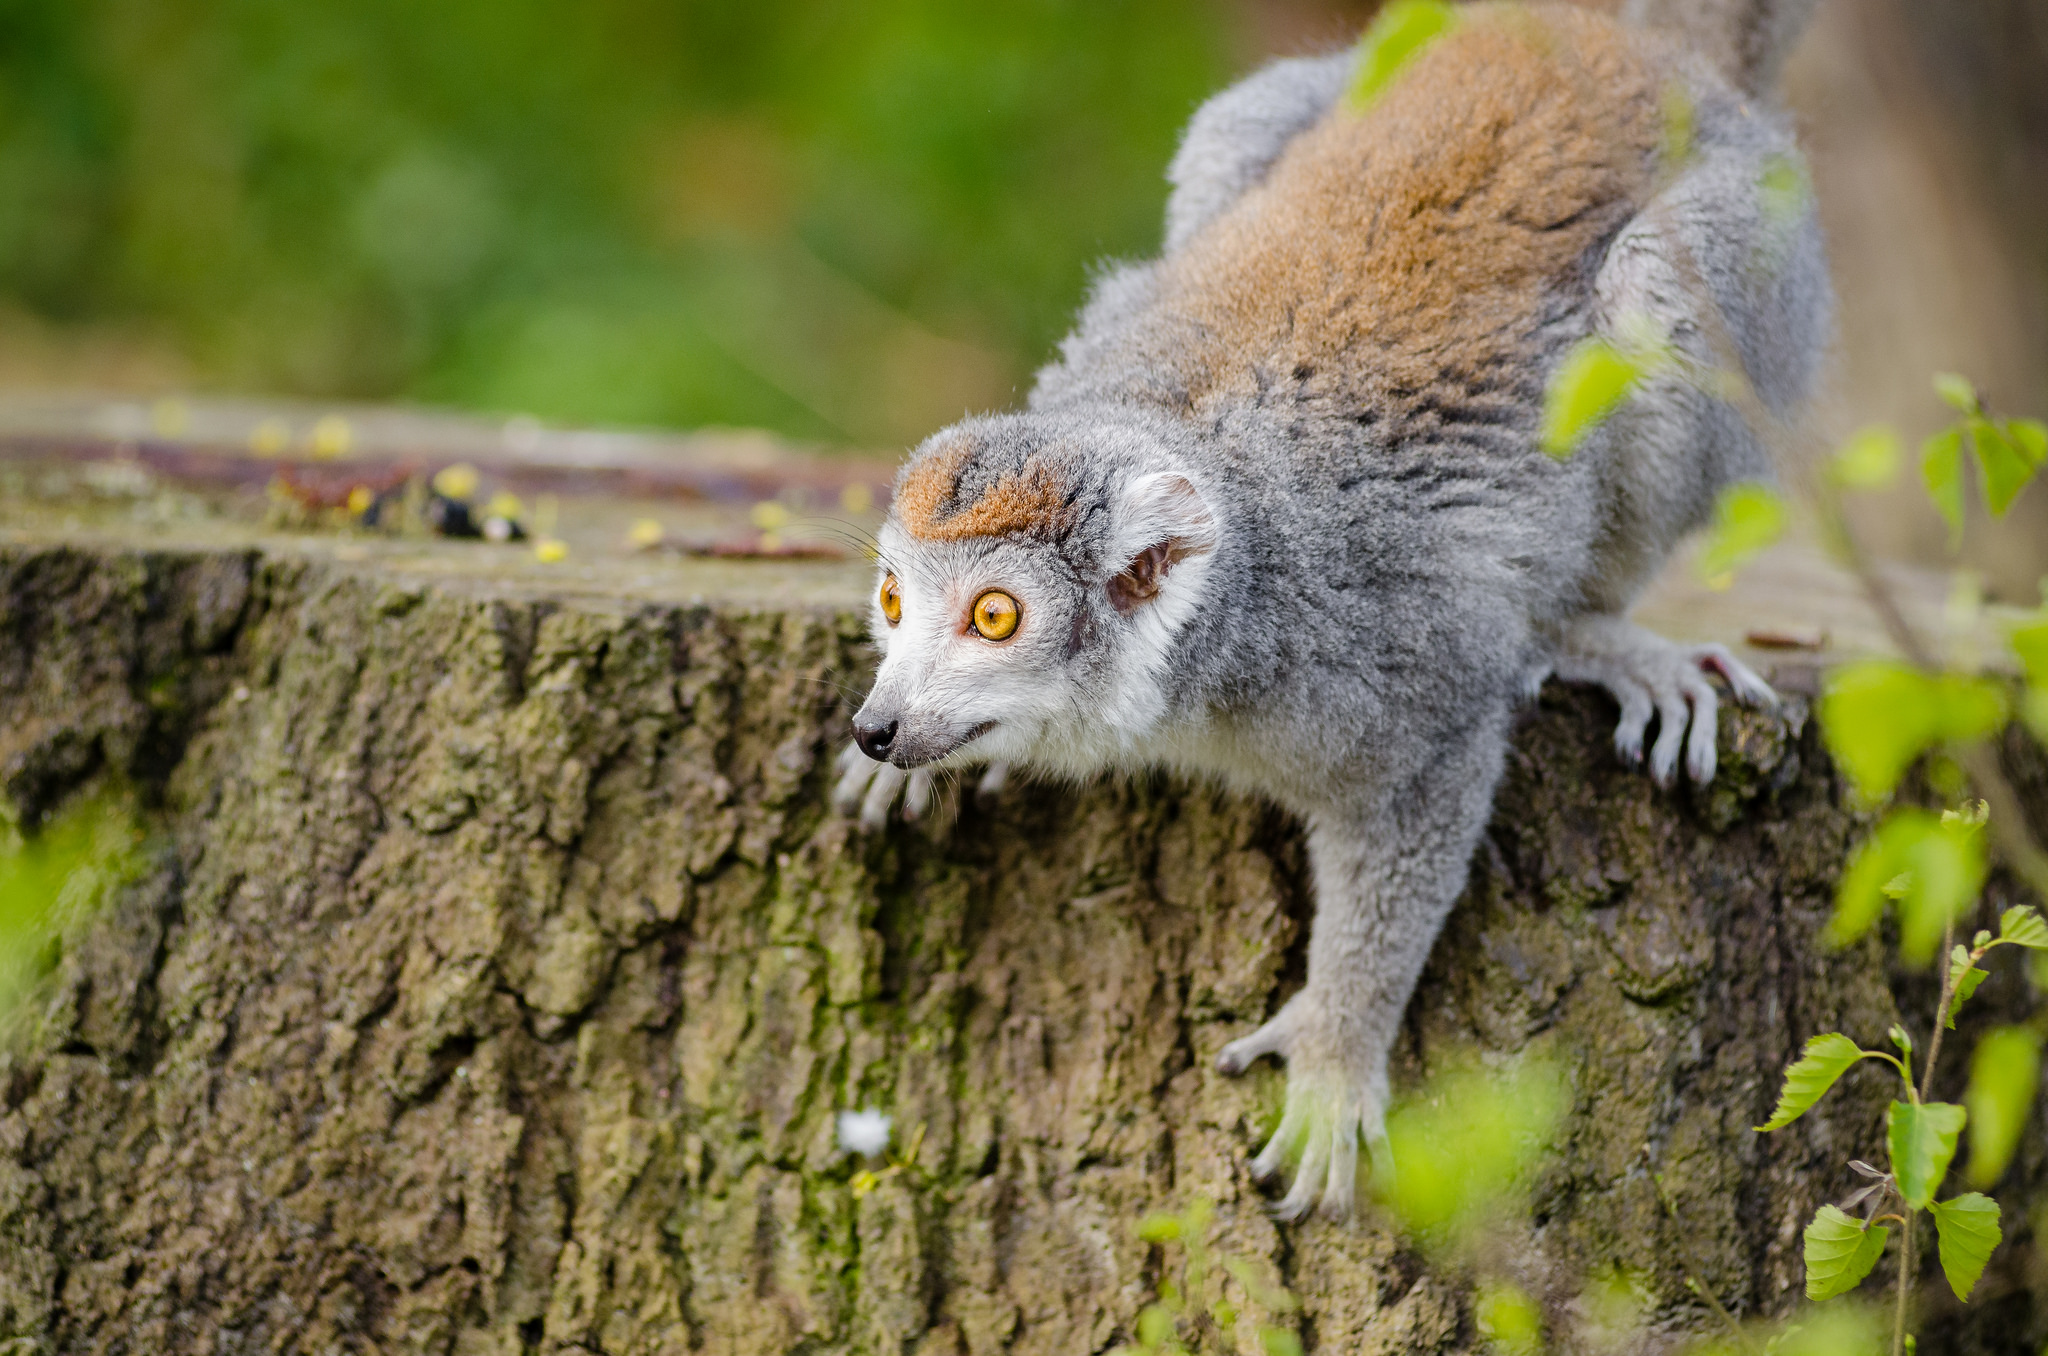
843,222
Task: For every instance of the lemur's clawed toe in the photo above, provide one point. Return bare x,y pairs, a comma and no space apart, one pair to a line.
1748,688
1651,677
1245,1051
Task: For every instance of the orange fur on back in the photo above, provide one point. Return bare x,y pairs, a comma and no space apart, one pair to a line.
1402,256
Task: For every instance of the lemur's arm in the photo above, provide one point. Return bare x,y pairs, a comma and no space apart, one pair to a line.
1235,137
1387,871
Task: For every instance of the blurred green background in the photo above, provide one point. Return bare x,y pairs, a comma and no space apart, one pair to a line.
843,222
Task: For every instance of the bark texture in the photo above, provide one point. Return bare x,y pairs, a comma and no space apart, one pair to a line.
501,970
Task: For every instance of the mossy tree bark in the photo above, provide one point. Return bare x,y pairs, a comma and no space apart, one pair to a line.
501,972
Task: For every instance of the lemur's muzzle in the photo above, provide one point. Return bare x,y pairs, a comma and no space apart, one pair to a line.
906,741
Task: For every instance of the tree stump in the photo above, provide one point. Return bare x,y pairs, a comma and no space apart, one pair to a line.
500,969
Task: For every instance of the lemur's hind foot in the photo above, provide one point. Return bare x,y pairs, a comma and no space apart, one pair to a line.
1651,676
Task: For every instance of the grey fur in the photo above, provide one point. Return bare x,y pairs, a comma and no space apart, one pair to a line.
1234,138
1747,40
1350,612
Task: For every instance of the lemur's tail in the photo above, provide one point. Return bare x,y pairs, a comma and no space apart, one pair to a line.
1747,39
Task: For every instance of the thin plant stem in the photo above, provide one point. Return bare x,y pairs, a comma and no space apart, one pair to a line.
1905,1281
1948,941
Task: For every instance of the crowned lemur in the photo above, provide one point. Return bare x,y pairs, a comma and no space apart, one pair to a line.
1279,514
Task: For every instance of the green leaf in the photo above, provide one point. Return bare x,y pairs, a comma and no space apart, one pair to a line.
2029,438
1747,518
1871,877
1880,715
1267,1294
1948,870
1957,391
1963,979
1839,1252
1155,1326
1922,1138
2004,1071
1838,1330
1968,708
1279,1342
2006,469
1396,37
1595,377
1869,460
1943,867
1783,190
55,880
1469,1145
2030,644
1159,1228
1826,1058
1871,714
1680,122
1968,1228
1509,1320
2022,926
1941,468
2034,710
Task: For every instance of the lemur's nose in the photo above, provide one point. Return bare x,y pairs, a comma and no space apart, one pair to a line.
874,739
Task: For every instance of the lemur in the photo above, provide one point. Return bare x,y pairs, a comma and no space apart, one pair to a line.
1278,516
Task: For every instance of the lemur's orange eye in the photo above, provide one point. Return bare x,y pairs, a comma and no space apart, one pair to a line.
995,615
892,600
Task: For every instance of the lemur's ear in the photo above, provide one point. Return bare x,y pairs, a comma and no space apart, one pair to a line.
1162,521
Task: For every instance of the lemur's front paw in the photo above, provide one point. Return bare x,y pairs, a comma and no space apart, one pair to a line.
1336,1101
1651,676
871,788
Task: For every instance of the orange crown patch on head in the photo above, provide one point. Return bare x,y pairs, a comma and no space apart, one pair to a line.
1031,500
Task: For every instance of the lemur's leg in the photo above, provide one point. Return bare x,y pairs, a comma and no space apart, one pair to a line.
871,787
1234,138
1386,876
1650,675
